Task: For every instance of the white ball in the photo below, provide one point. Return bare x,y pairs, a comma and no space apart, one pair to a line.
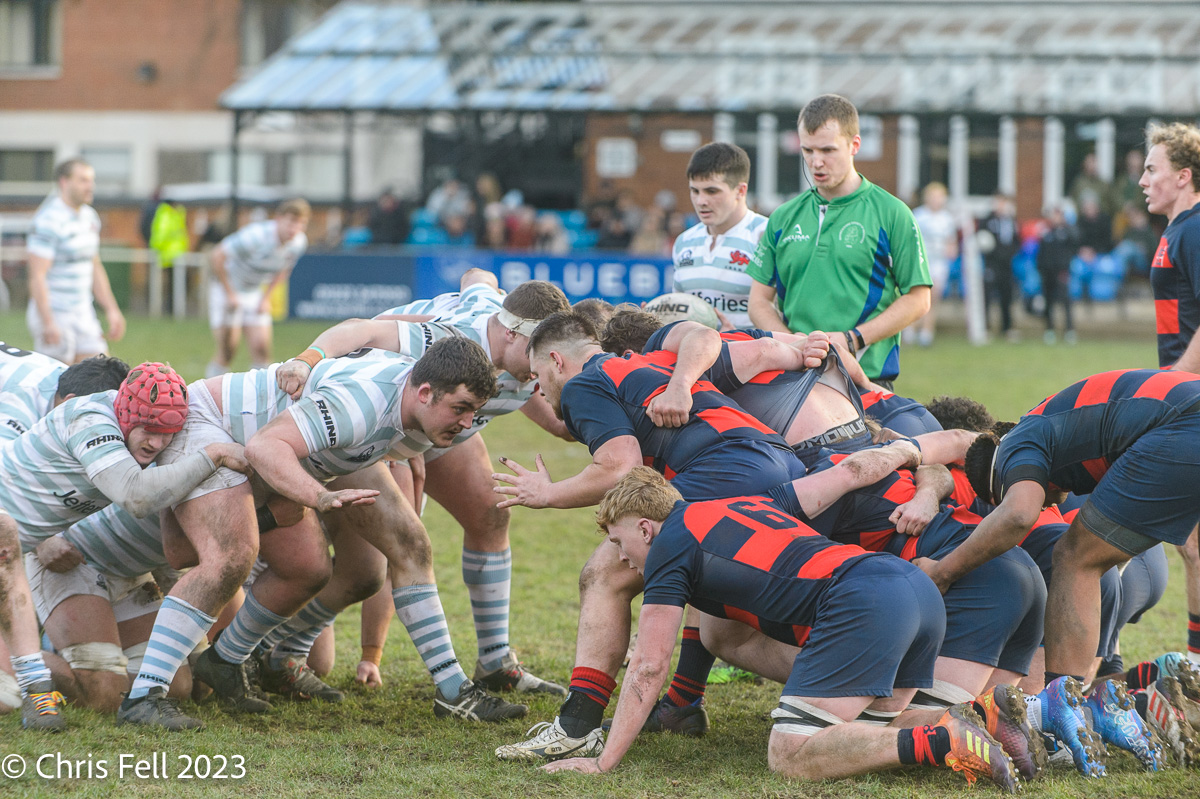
677,306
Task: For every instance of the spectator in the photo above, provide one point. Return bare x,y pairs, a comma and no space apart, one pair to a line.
614,235
676,224
1126,190
495,232
1089,181
457,233
940,233
389,220
522,230
487,191
146,216
1138,243
1058,246
551,236
651,238
448,200
999,247
169,238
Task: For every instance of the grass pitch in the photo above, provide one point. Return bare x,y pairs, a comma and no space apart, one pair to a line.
387,743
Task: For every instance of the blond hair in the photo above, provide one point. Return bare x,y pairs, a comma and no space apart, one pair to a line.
1182,145
643,493
826,107
297,207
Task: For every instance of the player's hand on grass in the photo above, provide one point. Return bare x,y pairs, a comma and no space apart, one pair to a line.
230,455
582,765
347,497
670,408
912,517
58,554
291,377
933,568
368,675
525,487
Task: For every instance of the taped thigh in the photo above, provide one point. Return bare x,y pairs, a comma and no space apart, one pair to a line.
940,696
794,716
96,656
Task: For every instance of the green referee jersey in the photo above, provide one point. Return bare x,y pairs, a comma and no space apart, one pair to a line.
837,263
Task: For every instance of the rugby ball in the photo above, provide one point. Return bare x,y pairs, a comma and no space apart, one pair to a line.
677,306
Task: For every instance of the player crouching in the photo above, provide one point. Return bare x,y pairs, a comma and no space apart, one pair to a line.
742,558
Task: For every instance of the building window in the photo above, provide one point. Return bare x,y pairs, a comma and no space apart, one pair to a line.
26,166
30,33
183,166
268,24
114,167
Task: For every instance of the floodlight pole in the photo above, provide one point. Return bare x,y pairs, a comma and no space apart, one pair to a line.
348,170
234,157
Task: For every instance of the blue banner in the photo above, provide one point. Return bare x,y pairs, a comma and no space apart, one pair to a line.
348,284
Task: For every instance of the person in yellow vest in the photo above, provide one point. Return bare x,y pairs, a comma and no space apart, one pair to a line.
169,238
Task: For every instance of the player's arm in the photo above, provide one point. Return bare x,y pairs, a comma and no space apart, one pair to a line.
1000,531
275,452
946,446
1190,360
816,492
697,348
933,484
538,409
763,312
1188,260
145,491
658,627
341,339
280,277
39,292
610,462
103,292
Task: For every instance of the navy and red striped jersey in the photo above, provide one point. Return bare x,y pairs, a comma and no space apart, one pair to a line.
862,517
743,559
906,416
1070,440
1175,278
609,398
775,397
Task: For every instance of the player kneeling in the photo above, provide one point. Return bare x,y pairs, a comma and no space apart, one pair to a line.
745,560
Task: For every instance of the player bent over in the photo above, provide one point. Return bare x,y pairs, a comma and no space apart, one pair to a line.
742,559
85,454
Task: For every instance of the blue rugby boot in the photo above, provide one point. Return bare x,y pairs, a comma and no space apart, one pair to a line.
1117,721
1063,718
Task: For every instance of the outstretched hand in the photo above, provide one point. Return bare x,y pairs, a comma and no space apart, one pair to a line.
524,487
582,765
347,497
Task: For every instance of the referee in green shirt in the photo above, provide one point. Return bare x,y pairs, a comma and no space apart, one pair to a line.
845,256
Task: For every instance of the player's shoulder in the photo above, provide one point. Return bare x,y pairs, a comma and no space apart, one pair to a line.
884,201
692,237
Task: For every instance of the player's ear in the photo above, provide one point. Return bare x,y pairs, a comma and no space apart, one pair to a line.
647,530
425,392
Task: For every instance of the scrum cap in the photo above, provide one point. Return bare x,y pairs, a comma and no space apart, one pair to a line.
153,396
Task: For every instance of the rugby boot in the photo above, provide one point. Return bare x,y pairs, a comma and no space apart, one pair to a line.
156,709
551,742
41,708
1114,717
690,720
511,675
475,704
1002,708
1189,685
294,679
230,682
1063,718
974,753
1165,704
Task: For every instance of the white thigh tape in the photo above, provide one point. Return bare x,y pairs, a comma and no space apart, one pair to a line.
96,656
10,692
135,654
797,717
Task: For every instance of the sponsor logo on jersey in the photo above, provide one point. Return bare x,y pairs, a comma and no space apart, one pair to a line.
98,440
327,419
15,425
796,235
84,506
739,258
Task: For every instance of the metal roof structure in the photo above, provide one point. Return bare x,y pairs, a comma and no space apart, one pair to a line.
994,57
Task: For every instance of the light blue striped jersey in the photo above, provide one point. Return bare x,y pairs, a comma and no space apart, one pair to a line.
28,383
255,256
348,415
714,268
464,314
118,543
70,240
46,474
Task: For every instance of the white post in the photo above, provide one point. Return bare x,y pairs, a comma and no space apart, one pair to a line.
723,127
1007,182
1106,148
767,167
1052,163
908,157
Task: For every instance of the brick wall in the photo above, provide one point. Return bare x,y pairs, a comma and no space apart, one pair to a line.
657,168
193,45
1031,134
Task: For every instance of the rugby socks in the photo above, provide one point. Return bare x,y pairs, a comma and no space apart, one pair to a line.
30,670
420,610
590,692
1143,675
178,628
691,672
1051,676
297,635
251,624
923,746
488,576
1193,650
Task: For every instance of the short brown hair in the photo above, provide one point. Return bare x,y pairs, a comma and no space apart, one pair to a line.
536,299
297,207
629,329
1182,145
720,161
643,493
819,110
596,309
454,362
63,170
562,327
